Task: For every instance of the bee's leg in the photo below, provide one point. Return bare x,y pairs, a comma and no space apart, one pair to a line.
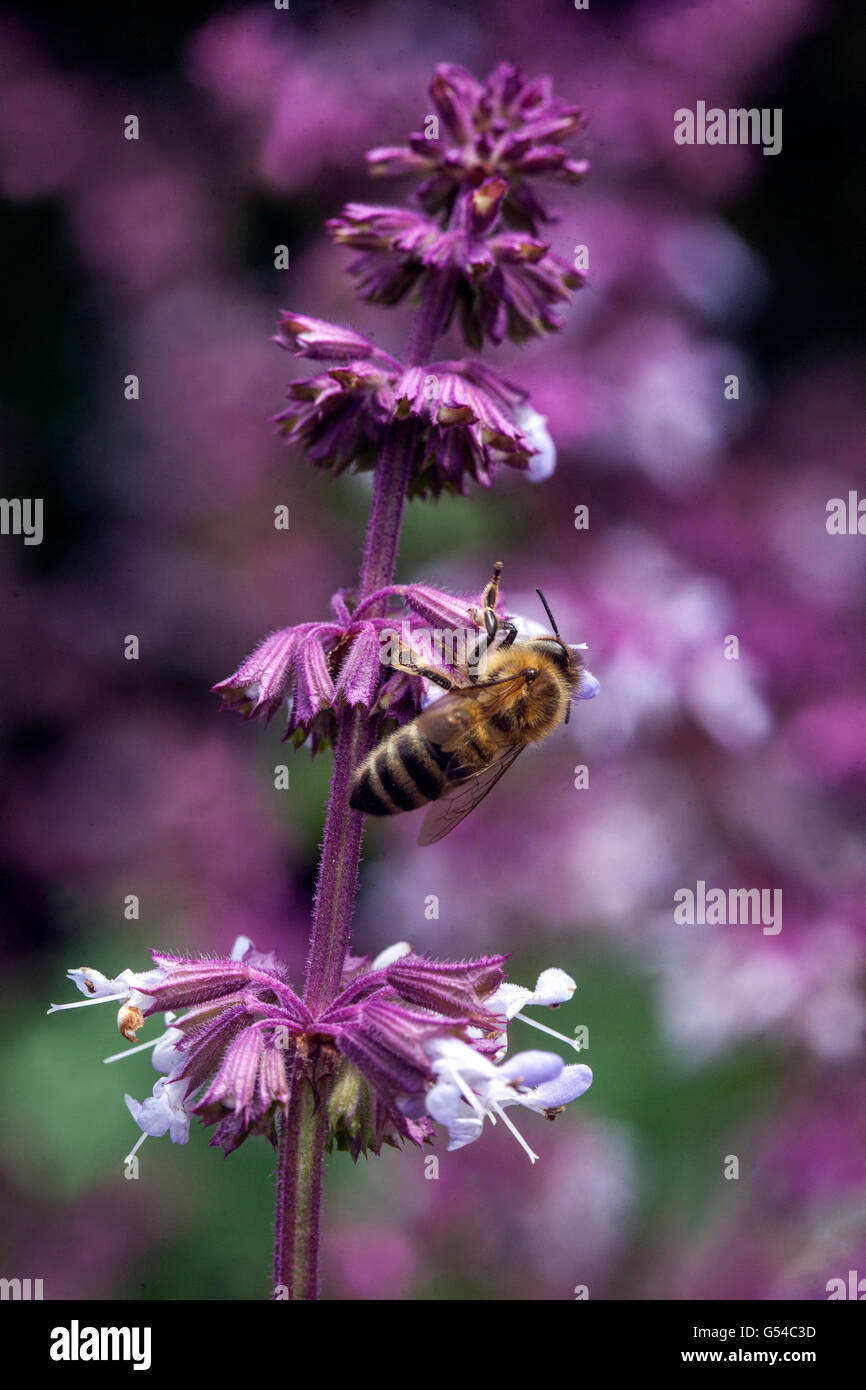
490,600
491,593
490,621
411,668
475,652
474,655
483,643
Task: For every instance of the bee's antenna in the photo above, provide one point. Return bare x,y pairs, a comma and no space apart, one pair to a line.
548,612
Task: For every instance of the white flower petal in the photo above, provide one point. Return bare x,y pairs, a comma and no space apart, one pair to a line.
531,1068
534,426
508,1000
390,954
463,1132
553,986
444,1102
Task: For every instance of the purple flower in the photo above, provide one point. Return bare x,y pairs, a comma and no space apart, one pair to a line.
451,987
338,417
398,244
249,1087
516,297
290,667
508,126
474,247
322,341
469,416
231,1058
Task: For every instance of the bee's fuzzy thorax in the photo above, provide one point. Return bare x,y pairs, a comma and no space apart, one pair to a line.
543,705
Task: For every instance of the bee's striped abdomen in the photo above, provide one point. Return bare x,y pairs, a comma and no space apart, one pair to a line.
404,772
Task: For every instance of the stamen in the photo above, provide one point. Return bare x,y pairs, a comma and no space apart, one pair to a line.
494,1105
467,1093
83,1003
142,1047
133,1152
552,1031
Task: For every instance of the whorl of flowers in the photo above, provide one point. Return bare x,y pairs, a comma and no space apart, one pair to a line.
407,1040
314,669
509,126
461,418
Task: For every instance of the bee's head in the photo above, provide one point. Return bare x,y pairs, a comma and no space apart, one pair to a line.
568,659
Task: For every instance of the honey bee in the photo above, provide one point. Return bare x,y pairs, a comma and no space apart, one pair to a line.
456,750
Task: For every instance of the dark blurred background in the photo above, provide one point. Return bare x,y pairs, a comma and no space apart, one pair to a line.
707,519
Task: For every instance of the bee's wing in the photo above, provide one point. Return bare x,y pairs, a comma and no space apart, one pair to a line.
451,718
444,815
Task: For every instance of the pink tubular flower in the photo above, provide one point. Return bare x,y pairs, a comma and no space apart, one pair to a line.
291,668
323,341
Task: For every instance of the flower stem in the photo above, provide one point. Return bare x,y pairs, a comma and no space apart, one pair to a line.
299,1193
431,318
341,847
304,1129
304,1134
